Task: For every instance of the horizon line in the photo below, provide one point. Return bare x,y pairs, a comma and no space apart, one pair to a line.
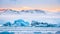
29,8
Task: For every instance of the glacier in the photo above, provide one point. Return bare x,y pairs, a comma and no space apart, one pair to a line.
9,15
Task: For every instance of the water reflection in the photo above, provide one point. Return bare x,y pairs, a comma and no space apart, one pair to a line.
58,32
5,32
37,32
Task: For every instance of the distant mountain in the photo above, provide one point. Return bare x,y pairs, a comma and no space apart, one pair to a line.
3,9
36,11
10,11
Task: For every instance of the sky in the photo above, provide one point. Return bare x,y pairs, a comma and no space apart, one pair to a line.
50,5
